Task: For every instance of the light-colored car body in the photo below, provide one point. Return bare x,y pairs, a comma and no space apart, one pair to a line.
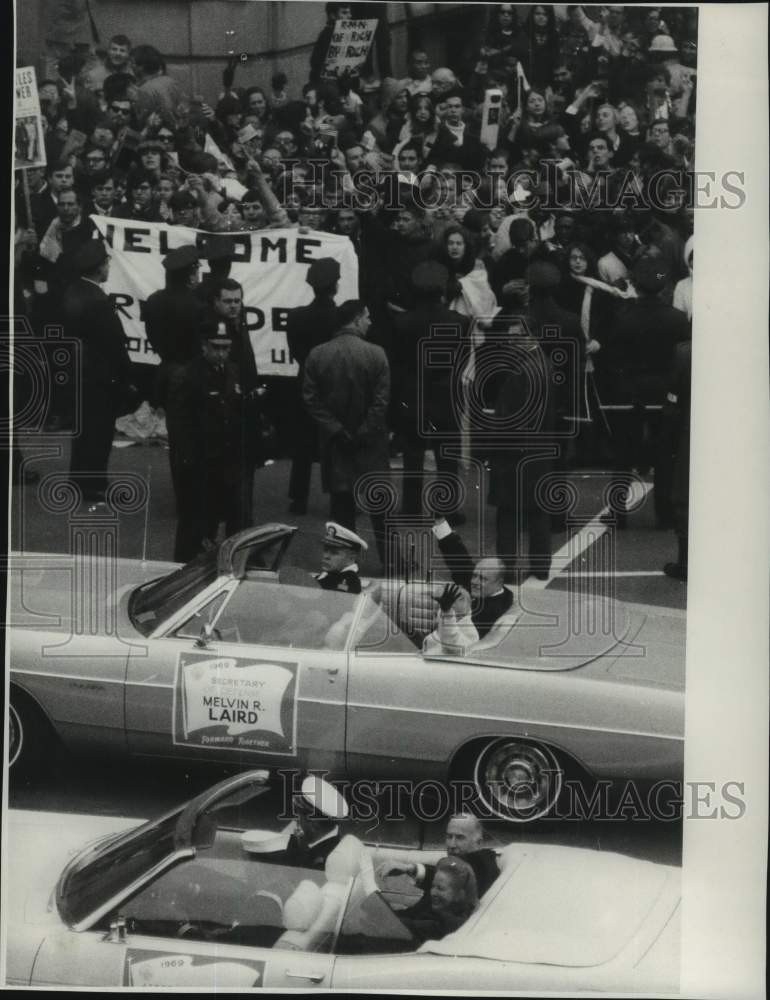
601,686
556,918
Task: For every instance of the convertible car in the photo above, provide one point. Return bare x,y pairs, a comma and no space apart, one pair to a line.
236,659
179,903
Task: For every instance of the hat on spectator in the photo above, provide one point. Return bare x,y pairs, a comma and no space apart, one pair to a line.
150,145
181,258
182,199
429,276
650,274
338,537
663,43
323,272
543,274
219,247
90,256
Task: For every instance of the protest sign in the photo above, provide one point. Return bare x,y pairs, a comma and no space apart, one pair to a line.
348,47
29,146
270,264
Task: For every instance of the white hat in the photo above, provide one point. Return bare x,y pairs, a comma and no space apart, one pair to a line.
324,798
264,841
343,538
662,43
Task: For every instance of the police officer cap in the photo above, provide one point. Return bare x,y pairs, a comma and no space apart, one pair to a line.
430,276
650,274
215,332
220,248
181,258
90,256
323,272
543,274
324,798
337,537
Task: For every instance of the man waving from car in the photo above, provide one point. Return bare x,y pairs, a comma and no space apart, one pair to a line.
463,628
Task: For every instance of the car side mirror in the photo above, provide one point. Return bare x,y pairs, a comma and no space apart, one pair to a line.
208,632
117,931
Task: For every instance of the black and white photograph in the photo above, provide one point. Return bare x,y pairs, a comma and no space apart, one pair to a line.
386,599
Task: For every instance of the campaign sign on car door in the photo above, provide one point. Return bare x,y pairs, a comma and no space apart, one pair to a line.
235,703
156,969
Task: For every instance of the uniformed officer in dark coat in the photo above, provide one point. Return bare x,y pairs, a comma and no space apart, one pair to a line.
172,315
425,407
306,328
204,415
105,371
678,416
339,565
640,350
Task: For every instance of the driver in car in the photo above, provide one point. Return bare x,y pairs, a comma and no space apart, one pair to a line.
311,836
339,564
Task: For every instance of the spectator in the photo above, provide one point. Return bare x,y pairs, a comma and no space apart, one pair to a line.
105,372
346,390
157,90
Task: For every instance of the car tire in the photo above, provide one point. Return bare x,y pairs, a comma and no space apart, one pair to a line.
29,737
517,780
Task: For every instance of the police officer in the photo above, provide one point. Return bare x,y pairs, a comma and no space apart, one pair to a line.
172,315
204,414
339,564
220,250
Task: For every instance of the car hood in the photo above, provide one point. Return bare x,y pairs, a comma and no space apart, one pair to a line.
42,586
38,846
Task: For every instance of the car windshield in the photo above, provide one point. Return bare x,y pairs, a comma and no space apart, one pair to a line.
154,602
109,868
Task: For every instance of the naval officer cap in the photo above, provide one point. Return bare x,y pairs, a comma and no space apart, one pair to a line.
90,256
220,247
543,274
337,537
323,798
650,274
181,258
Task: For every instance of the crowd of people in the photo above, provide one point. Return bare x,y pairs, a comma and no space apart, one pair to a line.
538,181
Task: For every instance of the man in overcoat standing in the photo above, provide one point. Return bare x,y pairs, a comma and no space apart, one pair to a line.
306,328
105,373
346,391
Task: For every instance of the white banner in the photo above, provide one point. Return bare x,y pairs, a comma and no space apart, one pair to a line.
270,264
29,147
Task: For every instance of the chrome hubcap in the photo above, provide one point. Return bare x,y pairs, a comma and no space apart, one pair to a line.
517,781
15,736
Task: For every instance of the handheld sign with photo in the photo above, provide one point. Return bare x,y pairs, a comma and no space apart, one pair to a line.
348,47
28,142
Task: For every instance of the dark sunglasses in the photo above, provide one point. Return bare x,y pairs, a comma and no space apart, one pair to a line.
118,110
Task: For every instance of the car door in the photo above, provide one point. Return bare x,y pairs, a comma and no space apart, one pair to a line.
141,961
268,681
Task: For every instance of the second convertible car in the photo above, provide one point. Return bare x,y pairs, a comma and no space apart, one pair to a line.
178,903
234,658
